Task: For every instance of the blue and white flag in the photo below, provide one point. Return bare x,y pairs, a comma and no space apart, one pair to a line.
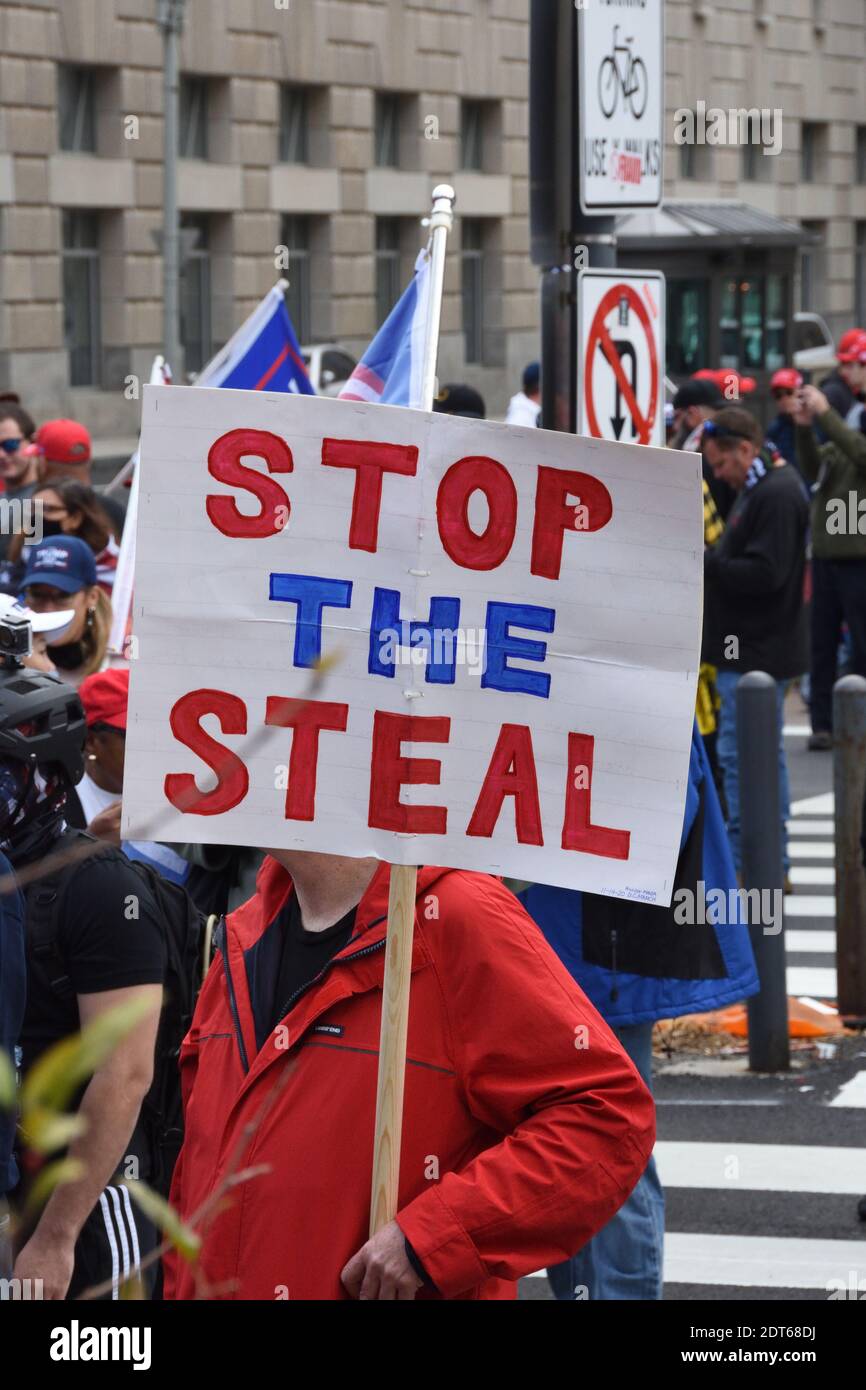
263,355
390,371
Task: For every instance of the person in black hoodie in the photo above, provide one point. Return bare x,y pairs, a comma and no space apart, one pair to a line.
754,619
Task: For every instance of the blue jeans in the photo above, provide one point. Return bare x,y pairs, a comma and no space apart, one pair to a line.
624,1260
726,752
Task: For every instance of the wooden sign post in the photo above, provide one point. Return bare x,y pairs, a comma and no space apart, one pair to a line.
401,901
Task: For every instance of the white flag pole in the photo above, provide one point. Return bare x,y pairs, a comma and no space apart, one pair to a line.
401,900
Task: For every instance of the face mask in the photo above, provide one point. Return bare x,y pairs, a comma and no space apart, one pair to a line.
14,780
51,528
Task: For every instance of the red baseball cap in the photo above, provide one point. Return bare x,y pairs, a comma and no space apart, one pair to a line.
64,441
105,696
852,346
786,377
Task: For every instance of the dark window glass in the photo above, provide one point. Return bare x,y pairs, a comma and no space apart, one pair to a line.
812,271
294,125
195,296
387,130
860,155
387,266
811,151
775,315
687,331
472,265
337,367
76,108
193,141
860,272
472,135
81,296
296,236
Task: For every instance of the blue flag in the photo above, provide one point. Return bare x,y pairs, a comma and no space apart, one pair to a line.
390,371
263,355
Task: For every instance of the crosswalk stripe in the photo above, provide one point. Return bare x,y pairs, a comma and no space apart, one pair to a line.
811,827
769,1262
811,849
810,905
813,875
812,979
852,1096
821,805
761,1167
818,942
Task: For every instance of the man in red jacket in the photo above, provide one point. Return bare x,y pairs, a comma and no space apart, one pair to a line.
525,1124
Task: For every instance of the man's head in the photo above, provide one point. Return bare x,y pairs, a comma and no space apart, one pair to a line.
729,443
18,457
532,381
65,447
105,696
784,385
851,356
696,400
458,399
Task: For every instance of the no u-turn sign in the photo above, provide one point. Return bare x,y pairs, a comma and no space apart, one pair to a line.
621,355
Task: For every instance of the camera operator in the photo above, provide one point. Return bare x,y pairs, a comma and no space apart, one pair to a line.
93,942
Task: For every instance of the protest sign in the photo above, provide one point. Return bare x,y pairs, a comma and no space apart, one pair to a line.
509,621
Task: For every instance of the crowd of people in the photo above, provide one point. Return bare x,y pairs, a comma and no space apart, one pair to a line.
529,1121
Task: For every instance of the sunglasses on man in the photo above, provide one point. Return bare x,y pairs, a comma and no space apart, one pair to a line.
712,430
781,393
11,446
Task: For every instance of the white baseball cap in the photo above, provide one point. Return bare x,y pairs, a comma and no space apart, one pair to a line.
53,622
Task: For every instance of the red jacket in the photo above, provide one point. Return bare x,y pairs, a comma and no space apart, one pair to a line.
525,1124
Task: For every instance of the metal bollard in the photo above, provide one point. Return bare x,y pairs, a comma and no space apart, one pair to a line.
849,777
761,850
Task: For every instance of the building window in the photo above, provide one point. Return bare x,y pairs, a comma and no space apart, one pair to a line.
193,138
81,297
294,125
296,237
472,119
752,322
860,155
757,167
696,161
860,272
472,286
812,270
813,150
195,295
688,318
387,266
76,108
388,130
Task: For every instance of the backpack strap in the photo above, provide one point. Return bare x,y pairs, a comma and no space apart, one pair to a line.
44,899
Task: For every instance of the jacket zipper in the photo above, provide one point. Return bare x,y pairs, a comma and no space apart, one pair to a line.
223,947
614,988
233,1003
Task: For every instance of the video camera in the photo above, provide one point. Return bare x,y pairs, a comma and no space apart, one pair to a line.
16,639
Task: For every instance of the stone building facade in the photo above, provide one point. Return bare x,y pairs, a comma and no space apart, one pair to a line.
322,126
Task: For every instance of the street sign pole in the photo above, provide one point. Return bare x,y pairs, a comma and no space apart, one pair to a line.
596,111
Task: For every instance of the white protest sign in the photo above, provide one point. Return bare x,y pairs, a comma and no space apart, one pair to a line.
620,65
621,355
509,621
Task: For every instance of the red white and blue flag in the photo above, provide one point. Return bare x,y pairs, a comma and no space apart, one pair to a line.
263,355
390,371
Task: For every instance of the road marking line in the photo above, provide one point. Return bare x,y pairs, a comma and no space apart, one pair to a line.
813,979
814,805
813,875
811,827
819,942
811,849
769,1262
810,905
853,1094
761,1167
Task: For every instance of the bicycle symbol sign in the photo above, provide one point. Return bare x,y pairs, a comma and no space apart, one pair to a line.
620,72
626,78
